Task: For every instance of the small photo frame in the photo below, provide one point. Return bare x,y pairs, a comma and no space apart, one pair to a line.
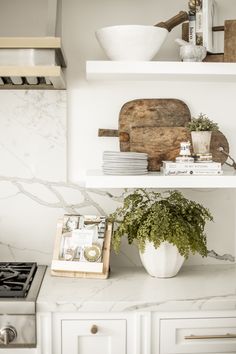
82,247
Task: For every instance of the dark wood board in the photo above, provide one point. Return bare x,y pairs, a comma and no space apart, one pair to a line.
230,41
160,143
163,143
157,112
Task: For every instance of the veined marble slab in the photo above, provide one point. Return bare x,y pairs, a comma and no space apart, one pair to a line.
196,288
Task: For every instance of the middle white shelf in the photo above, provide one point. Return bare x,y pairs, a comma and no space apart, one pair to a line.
96,179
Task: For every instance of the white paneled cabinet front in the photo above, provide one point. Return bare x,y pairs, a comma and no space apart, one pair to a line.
93,336
198,336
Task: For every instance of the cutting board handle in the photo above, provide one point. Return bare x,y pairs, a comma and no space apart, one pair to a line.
108,133
181,17
113,133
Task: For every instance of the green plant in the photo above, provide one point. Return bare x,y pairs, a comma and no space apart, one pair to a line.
202,123
155,217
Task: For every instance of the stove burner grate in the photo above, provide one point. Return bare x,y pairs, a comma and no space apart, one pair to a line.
16,278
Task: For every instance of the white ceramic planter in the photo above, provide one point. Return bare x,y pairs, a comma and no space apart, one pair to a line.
201,142
163,262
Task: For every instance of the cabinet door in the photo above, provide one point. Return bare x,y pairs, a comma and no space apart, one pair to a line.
98,336
206,336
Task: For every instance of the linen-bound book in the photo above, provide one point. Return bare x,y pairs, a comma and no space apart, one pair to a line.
208,21
199,23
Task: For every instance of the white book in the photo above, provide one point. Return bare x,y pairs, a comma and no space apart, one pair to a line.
208,21
191,173
199,23
192,166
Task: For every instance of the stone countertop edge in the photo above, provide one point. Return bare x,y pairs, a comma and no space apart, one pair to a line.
195,288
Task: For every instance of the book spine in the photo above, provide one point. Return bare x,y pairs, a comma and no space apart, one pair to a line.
192,28
208,20
199,23
192,173
192,166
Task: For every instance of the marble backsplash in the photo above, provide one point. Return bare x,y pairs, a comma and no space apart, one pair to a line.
34,191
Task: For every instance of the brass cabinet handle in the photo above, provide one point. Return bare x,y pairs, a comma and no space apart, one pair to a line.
94,329
216,336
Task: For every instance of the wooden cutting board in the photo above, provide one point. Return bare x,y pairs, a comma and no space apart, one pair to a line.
156,112
156,126
163,143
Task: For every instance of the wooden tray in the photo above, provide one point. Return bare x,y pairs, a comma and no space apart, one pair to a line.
58,265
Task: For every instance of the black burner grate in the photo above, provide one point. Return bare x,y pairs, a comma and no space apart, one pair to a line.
16,278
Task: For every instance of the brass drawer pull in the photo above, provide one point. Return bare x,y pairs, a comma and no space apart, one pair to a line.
216,336
94,329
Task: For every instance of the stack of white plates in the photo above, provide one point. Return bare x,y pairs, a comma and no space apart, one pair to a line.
124,163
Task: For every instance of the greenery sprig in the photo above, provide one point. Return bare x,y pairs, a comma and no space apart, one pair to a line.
155,217
202,123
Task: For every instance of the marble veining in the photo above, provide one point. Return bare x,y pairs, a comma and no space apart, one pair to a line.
35,192
199,288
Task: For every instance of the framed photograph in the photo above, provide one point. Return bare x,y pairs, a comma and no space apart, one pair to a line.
82,247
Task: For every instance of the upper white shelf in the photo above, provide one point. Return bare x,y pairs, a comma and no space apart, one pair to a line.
153,70
96,179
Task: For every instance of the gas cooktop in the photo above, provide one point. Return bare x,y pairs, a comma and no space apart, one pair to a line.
19,287
16,278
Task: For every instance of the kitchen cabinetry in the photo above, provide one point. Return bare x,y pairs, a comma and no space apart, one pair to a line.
205,335
87,333
137,314
93,336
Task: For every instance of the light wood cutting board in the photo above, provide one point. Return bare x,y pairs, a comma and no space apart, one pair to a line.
156,112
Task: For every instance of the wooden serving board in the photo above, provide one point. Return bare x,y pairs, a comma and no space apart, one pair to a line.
156,112
163,143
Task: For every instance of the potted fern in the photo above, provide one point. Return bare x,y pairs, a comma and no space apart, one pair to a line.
167,228
201,129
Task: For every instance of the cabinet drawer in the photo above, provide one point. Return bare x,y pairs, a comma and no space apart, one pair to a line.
209,335
93,336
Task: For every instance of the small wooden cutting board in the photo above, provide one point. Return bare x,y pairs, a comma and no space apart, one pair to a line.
156,112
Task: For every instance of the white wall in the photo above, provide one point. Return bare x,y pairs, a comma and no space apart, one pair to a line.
29,18
33,192
93,105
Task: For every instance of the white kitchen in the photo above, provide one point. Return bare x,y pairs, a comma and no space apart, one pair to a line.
75,149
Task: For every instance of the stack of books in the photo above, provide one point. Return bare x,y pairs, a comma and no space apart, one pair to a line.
195,168
202,17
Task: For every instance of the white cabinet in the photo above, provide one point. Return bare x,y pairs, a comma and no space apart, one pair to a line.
93,336
198,336
100,333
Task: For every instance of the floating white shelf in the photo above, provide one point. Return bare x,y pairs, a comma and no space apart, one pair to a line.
96,179
153,70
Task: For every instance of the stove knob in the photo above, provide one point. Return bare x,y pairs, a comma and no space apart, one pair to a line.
7,335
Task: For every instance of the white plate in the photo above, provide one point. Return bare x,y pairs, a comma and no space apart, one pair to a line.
124,174
125,164
125,155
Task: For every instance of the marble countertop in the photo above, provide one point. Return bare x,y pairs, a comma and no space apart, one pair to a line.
196,288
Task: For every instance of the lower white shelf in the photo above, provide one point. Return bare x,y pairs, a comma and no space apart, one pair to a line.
96,179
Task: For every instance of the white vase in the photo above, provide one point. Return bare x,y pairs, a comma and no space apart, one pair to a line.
201,142
162,262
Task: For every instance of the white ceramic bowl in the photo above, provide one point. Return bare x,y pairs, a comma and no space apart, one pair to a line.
131,42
